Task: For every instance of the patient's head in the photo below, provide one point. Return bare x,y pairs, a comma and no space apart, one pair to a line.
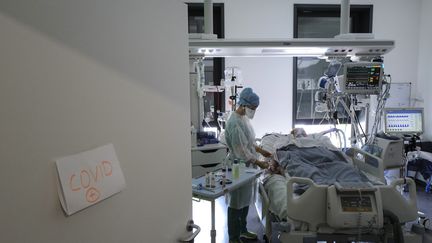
298,132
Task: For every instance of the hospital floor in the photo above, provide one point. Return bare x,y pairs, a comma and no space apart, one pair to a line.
202,217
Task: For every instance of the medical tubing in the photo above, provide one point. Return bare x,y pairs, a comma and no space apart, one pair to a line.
322,119
357,120
376,118
343,135
397,229
361,128
337,130
340,139
380,107
349,111
325,117
356,129
334,129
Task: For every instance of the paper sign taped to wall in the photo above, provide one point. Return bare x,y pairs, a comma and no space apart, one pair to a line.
88,177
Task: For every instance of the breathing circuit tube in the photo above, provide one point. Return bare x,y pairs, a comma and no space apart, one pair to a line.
397,229
338,132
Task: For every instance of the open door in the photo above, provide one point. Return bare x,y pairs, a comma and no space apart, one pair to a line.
76,75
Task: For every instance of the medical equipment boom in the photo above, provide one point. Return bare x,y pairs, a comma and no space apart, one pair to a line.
302,47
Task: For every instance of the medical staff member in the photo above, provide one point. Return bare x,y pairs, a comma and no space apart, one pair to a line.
240,139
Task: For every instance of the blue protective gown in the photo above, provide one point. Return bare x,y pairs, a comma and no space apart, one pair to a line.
240,139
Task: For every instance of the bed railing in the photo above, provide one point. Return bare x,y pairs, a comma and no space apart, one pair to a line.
368,163
265,200
310,207
265,211
403,206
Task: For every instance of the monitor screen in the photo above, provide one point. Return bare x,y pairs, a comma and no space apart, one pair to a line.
403,120
362,78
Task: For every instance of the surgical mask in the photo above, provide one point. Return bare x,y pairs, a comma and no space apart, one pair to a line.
250,113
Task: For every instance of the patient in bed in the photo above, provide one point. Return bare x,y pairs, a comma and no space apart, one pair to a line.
301,155
274,166
298,132
315,157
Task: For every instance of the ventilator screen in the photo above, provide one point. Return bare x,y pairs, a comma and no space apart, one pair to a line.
404,121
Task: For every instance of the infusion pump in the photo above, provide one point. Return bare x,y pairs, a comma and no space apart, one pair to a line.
350,207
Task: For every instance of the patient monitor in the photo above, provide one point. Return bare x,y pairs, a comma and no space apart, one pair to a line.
362,78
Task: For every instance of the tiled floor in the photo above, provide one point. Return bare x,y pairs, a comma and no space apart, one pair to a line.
202,217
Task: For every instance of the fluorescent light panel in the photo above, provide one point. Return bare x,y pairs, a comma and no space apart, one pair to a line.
291,48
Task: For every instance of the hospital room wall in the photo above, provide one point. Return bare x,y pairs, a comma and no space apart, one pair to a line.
272,77
75,75
424,87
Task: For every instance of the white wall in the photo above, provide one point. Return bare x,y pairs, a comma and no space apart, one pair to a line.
424,70
78,74
399,20
272,77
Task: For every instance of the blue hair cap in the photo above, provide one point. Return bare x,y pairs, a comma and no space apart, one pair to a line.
248,98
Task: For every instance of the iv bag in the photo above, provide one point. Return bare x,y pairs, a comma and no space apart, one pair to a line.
233,76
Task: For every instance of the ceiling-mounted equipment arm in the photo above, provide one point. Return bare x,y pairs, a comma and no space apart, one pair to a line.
344,45
344,17
304,47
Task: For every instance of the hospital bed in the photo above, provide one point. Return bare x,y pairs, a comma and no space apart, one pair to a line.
341,211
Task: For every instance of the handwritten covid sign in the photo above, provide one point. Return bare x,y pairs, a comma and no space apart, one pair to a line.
89,177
